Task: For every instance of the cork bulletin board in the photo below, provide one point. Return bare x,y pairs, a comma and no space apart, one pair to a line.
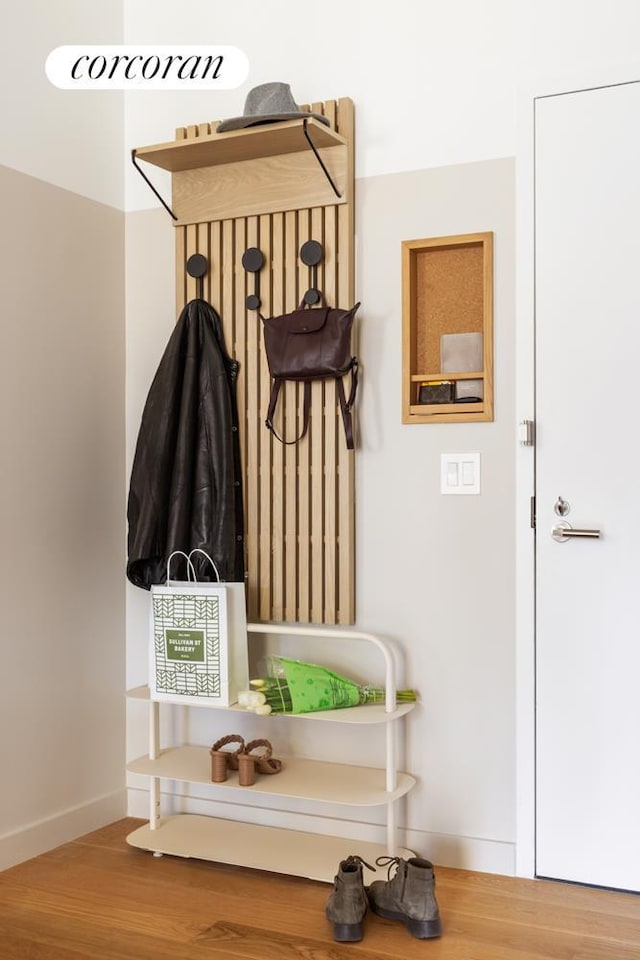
443,306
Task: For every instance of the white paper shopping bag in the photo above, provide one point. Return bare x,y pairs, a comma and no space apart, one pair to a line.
198,640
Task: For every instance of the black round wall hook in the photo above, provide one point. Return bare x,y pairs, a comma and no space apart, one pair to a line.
311,254
252,261
197,266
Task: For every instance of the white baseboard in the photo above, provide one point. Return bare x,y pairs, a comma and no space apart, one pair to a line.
465,853
35,838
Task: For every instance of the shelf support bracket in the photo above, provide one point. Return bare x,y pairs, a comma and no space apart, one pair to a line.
320,160
148,182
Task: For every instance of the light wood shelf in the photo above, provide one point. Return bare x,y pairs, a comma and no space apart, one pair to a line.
442,409
251,143
456,375
291,852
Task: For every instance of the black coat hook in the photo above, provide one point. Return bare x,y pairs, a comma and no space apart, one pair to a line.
252,261
311,254
197,266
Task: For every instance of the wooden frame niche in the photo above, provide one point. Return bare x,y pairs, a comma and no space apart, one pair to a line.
263,187
447,288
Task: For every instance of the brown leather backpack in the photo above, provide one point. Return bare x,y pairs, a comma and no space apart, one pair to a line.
311,344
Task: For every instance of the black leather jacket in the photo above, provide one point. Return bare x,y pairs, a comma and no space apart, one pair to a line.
186,485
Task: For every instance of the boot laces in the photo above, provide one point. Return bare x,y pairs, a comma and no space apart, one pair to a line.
355,859
388,862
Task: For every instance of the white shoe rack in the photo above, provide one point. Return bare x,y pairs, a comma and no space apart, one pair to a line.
271,848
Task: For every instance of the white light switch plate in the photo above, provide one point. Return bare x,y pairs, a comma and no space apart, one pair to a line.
459,474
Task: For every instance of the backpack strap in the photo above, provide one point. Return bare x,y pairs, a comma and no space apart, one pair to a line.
346,405
306,407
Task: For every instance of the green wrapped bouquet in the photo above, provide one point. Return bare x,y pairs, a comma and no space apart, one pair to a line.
297,687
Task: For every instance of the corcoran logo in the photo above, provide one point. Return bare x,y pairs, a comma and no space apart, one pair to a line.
100,67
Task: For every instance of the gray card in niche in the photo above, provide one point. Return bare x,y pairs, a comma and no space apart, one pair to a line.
460,352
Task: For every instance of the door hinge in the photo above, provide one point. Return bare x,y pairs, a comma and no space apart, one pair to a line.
527,433
532,514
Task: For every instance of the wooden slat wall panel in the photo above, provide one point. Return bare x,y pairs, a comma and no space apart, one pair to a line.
345,268
235,189
277,471
265,440
252,474
291,427
298,498
305,232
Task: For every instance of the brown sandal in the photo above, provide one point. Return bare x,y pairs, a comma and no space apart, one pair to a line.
223,760
250,763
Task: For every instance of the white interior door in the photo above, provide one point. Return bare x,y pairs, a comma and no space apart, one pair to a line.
587,315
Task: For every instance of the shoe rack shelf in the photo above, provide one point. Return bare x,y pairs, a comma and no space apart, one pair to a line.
302,779
266,847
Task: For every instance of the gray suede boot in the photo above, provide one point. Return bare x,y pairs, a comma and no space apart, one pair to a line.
347,904
408,896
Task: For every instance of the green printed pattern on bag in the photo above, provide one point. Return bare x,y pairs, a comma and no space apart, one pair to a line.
187,645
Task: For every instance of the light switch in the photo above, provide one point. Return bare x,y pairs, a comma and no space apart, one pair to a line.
460,473
468,473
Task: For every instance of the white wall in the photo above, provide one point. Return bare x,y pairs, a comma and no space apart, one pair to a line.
435,572
62,430
71,139
435,89
434,83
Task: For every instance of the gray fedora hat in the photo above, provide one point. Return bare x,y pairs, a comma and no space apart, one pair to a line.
268,103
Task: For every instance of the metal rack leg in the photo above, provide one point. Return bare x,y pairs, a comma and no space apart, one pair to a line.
392,780
154,749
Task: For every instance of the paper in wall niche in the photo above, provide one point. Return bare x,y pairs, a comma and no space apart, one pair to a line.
460,352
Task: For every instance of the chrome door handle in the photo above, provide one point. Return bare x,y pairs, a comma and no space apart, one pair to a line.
563,531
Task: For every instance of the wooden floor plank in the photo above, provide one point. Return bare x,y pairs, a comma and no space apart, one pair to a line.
541,891
599,950
99,898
